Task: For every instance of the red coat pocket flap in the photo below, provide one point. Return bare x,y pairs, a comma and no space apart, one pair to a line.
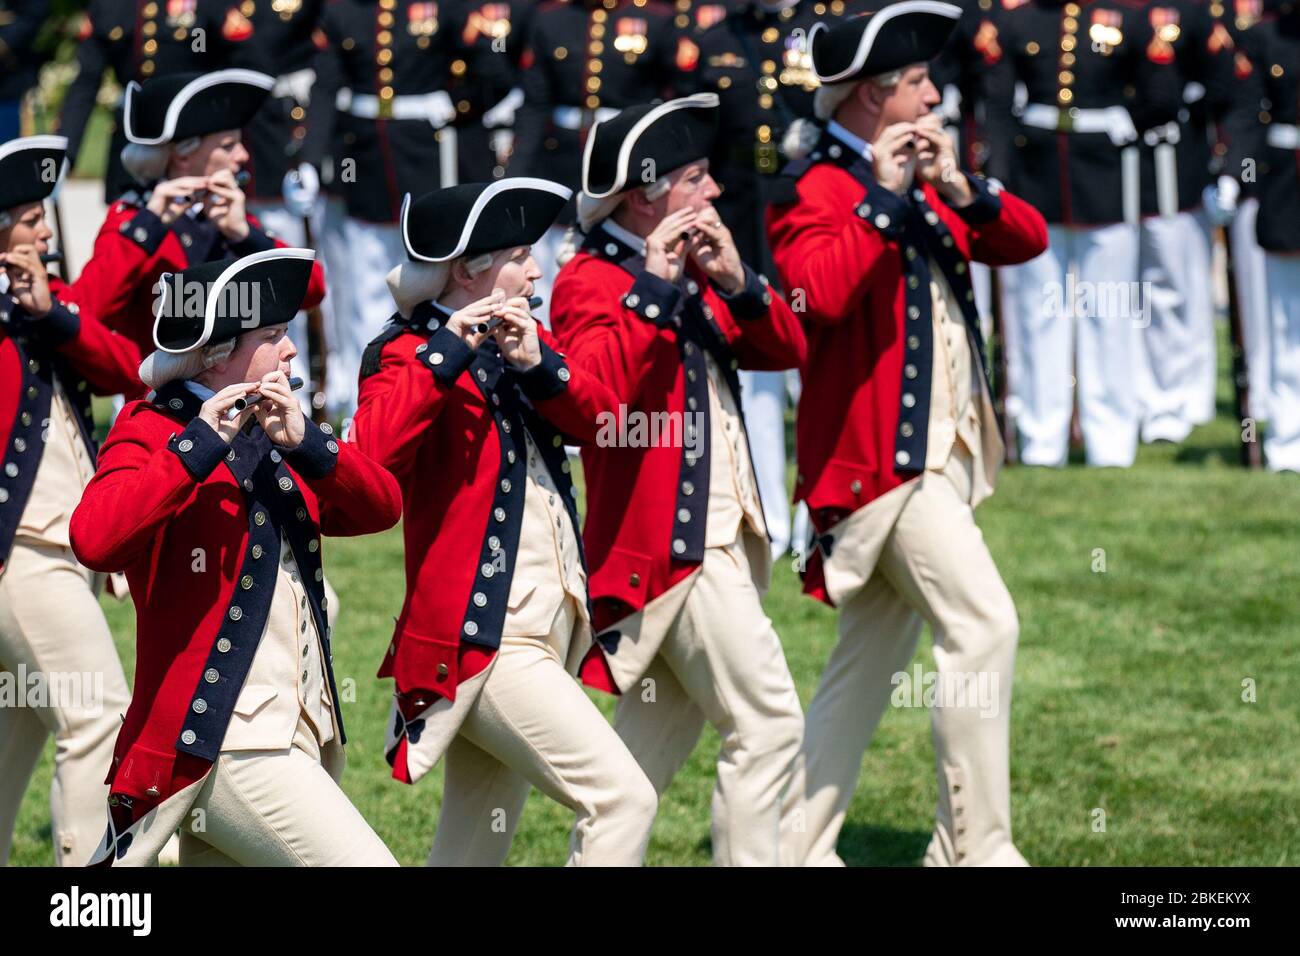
144,773
426,663
623,576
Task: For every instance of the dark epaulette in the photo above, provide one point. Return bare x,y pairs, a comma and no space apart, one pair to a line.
370,357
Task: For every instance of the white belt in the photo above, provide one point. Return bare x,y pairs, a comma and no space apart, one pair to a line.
435,107
1114,121
297,85
1283,135
570,117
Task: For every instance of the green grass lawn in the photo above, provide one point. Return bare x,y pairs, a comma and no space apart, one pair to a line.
1128,693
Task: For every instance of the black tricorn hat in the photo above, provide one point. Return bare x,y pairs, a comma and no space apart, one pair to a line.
180,105
491,216
666,135
30,169
217,301
896,36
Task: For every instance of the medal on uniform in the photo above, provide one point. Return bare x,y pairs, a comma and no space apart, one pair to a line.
1164,24
632,39
422,19
1105,32
181,13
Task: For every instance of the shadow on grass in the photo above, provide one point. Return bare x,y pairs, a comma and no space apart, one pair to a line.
869,845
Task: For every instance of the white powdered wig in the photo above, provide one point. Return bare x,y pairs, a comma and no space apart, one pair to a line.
415,282
592,212
148,164
161,367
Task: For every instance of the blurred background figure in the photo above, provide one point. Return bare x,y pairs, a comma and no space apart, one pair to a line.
20,22
381,112
1083,85
135,40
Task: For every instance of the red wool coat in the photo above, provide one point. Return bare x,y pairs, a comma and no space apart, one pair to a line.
448,422
87,358
616,320
855,257
196,526
134,248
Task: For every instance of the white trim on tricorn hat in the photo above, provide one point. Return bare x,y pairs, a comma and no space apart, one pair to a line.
696,100
214,293
184,95
490,192
44,143
875,24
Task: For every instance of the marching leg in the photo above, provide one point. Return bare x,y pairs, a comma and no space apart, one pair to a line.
52,624
659,724
878,632
729,658
283,808
536,720
938,561
482,801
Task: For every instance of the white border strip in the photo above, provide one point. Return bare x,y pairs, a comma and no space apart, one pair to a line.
702,100
878,21
214,295
186,93
494,189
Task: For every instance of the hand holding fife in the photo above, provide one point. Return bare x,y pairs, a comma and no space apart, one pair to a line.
172,197
665,248
466,322
226,206
278,412
714,251
894,156
215,410
28,281
936,161
516,336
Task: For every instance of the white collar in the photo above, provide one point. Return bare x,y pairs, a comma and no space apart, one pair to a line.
202,391
852,140
629,239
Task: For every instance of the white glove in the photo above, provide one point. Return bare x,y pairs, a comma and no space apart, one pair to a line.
1220,200
443,110
503,114
301,188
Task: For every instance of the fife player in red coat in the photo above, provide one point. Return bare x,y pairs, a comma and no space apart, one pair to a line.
234,732
53,356
184,149
473,422
897,438
658,305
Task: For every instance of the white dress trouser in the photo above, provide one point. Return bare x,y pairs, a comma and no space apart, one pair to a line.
1282,437
1078,305
763,396
1176,367
1252,301
373,249
289,229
